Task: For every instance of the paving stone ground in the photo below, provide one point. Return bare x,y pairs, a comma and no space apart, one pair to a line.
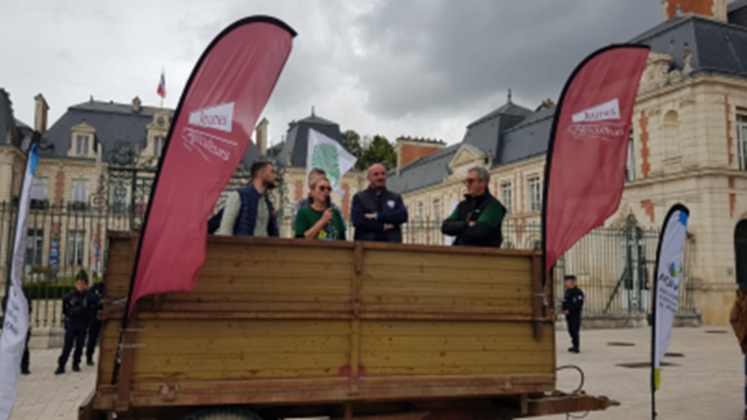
706,384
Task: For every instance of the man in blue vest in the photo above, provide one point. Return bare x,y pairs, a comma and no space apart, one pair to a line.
378,213
248,211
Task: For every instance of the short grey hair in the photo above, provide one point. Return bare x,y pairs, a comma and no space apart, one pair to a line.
482,173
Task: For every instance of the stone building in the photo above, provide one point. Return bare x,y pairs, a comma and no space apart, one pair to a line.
688,144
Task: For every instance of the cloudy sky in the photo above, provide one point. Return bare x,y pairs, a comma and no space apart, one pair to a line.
423,68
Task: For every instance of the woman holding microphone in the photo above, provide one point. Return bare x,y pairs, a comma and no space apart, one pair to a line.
319,220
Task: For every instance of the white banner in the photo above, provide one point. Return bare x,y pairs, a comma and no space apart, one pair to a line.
329,155
667,283
16,316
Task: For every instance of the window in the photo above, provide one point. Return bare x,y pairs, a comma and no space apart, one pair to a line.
742,141
76,245
630,164
506,195
535,195
39,189
81,145
34,247
158,143
118,197
420,211
80,191
436,209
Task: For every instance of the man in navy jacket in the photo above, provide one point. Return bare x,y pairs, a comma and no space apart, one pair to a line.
378,213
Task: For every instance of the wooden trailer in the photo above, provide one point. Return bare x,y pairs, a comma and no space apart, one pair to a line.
294,328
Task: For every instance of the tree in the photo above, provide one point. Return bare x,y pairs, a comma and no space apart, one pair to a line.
351,141
379,150
369,150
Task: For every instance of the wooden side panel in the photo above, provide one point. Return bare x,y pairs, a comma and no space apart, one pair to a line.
454,348
272,274
435,279
175,350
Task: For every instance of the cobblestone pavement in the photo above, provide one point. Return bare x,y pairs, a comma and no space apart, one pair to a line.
706,384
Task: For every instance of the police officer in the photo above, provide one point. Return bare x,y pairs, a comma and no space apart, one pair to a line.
573,302
93,330
78,307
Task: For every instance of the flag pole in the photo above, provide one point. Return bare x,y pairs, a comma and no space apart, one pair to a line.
653,337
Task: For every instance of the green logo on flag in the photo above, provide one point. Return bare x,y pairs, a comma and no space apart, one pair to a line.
325,157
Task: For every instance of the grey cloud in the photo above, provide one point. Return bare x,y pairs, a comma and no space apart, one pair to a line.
432,55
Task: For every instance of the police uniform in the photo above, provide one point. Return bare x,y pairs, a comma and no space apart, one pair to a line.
93,331
573,302
78,309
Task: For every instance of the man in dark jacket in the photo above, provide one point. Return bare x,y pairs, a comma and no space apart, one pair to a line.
26,358
378,213
477,220
95,327
79,307
248,211
573,303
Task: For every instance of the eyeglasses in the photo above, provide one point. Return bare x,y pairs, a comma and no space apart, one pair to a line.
323,188
470,181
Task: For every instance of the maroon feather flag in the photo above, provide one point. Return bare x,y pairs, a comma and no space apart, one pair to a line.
585,169
212,126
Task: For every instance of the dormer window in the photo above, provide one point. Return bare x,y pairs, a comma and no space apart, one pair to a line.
82,143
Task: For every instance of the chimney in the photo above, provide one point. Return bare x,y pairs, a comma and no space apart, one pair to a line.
411,149
136,104
40,114
260,136
714,9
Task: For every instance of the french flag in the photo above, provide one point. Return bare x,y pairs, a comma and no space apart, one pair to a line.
162,86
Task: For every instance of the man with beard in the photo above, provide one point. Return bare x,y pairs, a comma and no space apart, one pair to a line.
248,211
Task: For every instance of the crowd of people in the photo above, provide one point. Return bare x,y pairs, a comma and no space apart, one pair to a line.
377,214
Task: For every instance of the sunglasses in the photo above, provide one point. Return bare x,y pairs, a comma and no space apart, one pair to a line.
323,188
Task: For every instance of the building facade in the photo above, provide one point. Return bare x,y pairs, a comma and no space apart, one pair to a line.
688,145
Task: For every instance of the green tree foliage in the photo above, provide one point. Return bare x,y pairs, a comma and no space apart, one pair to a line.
369,150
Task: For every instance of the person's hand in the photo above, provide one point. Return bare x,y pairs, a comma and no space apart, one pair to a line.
369,216
567,312
327,216
470,224
388,226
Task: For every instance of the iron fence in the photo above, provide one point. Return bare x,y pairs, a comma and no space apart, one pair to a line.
614,265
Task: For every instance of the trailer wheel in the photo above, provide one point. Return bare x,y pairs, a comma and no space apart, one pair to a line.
223,414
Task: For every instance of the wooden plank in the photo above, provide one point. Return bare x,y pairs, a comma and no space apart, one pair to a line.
247,298
251,270
241,328
192,376
491,369
441,275
446,328
157,345
232,254
455,358
452,343
431,249
447,261
240,362
515,303
456,291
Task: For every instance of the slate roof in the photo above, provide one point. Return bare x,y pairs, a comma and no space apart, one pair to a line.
717,47
297,140
424,172
525,138
113,122
485,132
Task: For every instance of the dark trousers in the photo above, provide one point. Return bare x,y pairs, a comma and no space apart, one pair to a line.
93,337
26,359
574,325
74,334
